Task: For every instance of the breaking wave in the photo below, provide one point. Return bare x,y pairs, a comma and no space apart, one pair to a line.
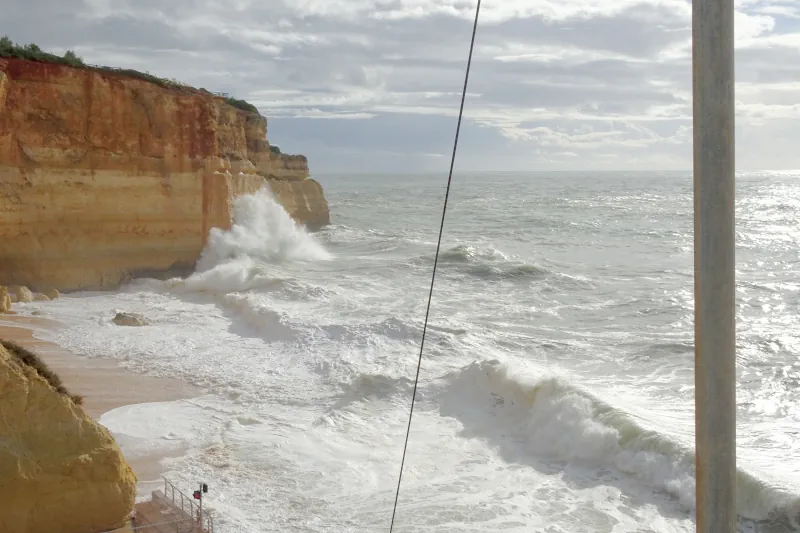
550,418
263,233
244,257
483,263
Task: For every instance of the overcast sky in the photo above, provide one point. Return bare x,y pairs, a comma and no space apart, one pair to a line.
371,85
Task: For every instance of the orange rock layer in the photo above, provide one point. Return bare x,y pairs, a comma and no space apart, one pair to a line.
104,177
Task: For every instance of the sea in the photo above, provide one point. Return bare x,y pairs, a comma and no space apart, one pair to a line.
556,387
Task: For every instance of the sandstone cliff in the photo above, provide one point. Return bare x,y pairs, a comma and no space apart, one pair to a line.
104,176
60,472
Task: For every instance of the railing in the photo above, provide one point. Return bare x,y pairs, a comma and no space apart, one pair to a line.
205,523
145,526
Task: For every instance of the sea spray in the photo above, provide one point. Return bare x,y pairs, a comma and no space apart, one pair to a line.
262,234
262,230
526,417
321,353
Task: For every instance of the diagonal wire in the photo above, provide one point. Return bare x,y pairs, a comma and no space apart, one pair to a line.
436,260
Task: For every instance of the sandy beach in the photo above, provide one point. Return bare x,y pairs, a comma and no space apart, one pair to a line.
104,384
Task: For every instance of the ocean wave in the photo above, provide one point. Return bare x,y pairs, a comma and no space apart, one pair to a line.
366,395
659,350
464,253
552,418
484,263
507,272
366,386
377,332
251,254
375,240
390,328
262,229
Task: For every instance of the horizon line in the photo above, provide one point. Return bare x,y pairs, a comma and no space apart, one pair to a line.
594,171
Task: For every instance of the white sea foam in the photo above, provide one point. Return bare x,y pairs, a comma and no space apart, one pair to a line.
262,229
307,356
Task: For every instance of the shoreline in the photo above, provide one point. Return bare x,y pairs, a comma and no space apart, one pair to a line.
105,386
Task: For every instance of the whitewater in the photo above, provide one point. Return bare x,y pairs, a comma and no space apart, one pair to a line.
556,390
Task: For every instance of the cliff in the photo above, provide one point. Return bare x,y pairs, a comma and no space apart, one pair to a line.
105,176
60,472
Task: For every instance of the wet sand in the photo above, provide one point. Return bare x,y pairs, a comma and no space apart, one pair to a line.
103,383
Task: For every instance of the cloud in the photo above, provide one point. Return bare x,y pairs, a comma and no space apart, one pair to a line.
365,85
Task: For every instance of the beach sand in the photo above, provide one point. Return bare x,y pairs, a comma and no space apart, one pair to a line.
104,384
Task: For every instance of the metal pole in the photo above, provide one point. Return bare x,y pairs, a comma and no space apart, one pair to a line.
200,511
714,265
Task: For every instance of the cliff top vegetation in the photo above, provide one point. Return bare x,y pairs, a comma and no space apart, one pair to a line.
25,357
32,52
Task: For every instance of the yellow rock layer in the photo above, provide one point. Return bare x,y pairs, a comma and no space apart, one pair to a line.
104,177
60,472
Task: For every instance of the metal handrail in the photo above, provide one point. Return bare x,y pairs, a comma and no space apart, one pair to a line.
205,521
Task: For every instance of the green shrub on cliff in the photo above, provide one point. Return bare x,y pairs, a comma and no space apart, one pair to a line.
32,52
146,76
277,151
241,104
30,359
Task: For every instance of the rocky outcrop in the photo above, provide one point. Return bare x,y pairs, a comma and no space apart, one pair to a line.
105,177
60,472
300,198
24,294
284,167
52,294
5,300
129,319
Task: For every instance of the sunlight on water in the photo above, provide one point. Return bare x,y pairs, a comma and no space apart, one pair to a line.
556,391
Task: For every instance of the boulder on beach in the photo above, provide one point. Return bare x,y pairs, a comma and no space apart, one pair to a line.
130,319
5,300
24,294
52,294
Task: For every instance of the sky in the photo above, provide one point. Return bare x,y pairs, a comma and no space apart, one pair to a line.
375,85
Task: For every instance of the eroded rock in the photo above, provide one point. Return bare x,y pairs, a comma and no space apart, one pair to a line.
24,294
130,319
60,471
52,294
5,300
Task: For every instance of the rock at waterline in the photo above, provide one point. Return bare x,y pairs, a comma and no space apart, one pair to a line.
5,300
130,319
24,294
60,470
52,294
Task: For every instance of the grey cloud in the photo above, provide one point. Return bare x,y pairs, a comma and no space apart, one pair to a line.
585,74
629,33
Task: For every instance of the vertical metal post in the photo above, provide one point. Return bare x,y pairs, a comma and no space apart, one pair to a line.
714,264
200,511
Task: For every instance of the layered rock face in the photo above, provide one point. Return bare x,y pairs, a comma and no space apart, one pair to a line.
60,472
104,177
